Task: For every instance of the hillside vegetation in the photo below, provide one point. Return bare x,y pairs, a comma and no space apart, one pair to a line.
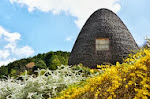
48,60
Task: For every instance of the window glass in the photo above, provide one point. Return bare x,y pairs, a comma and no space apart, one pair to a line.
102,44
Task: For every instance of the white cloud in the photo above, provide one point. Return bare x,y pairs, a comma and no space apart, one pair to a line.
4,54
9,50
11,45
69,38
81,9
6,62
10,37
24,51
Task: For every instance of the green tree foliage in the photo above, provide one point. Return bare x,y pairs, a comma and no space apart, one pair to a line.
48,58
54,62
3,71
13,72
42,61
40,64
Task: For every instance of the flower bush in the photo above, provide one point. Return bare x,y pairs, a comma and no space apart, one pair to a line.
47,84
129,80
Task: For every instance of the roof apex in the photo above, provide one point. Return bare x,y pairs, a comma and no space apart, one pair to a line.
104,10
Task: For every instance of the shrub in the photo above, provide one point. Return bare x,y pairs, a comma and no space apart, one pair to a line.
128,80
48,83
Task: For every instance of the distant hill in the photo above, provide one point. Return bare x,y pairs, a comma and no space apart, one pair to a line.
42,61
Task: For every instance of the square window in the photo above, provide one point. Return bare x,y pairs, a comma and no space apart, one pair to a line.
102,44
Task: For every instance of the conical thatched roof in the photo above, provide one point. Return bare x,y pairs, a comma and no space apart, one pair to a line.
105,27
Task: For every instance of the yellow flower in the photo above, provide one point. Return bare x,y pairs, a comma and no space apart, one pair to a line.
132,74
92,89
126,86
91,70
130,83
124,79
117,63
98,66
110,97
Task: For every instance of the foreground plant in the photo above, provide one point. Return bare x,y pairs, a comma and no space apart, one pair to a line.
148,42
48,83
128,80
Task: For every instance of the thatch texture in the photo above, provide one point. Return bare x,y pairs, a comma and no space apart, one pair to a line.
102,24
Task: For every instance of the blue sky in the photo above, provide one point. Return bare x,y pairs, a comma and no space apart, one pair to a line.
29,27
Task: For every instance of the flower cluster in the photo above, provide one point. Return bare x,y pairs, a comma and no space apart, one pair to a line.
129,80
48,83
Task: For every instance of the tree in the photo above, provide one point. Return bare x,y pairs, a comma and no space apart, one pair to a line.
54,62
40,64
48,58
3,71
13,73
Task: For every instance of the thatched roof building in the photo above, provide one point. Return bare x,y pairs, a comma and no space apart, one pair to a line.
103,38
